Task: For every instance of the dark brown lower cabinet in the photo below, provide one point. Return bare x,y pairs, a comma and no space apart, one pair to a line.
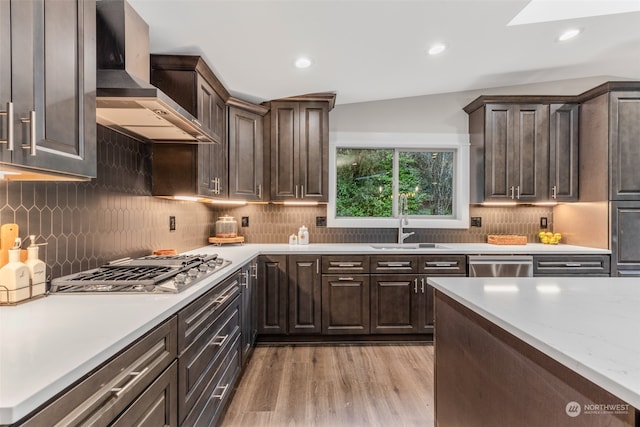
304,284
209,345
345,304
135,384
395,303
272,294
157,406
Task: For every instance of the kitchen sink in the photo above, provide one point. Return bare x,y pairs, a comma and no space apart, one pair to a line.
401,246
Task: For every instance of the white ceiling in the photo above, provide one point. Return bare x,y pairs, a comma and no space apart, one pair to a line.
373,50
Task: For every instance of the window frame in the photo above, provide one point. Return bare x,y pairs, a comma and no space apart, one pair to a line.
458,143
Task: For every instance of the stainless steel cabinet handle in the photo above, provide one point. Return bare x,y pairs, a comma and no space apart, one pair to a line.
9,114
302,191
554,192
118,391
254,270
345,279
518,192
221,395
245,274
573,264
32,133
317,265
219,340
260,191
296,191
441,264
415,285
345,265
422,284
512,190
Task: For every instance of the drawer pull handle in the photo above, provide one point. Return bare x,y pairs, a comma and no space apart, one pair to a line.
345,265
441,264
573,264
221,395
422,284
219,340
345,279
221,299
118,391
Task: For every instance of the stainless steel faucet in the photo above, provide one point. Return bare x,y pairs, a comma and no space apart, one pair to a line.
403,213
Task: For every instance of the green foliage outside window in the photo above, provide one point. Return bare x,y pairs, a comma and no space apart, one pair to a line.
365,178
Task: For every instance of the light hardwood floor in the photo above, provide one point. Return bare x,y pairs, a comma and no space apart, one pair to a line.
337,385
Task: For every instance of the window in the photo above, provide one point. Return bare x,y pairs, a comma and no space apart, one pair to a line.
368,173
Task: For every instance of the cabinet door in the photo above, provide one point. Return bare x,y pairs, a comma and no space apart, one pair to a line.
285,125
345,304
272,294
563,151
305,311
245,154
54,83
625,235
394,303
516,151
624,128
314,150
157,406
5,76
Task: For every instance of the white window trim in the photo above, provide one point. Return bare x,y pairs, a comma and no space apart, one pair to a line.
459,143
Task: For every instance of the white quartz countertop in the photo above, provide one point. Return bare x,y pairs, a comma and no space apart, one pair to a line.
48,344
590,325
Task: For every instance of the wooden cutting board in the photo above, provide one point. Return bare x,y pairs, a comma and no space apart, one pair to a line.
8,234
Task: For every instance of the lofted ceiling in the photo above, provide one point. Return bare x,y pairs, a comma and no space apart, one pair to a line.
373,50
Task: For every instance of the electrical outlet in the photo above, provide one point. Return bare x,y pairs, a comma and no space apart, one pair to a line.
543,222
321,221
245,221
172,223
476,221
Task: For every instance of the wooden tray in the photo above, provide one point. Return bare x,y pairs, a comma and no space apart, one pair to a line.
226,240
506,239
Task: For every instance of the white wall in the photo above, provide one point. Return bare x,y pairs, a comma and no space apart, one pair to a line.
440,113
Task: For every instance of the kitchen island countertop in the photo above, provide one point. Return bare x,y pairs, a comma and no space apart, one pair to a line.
590,325
50,343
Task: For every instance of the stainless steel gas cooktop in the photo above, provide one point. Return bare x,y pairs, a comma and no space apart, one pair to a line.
149,274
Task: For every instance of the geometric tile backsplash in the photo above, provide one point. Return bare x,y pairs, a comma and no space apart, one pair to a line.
85,224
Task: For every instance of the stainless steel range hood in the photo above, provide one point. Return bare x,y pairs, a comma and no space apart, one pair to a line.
125,100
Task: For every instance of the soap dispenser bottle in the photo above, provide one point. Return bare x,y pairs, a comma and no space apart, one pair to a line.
14,277
303,236
37,269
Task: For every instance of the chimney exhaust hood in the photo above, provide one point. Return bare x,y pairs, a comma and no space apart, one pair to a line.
125,100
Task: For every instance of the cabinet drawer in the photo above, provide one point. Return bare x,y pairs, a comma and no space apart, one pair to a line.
551,265
349,264
211,403
200,361
393,264
157,406
104,395
196,318
441,265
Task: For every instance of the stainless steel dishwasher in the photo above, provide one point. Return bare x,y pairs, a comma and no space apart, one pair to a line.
500,266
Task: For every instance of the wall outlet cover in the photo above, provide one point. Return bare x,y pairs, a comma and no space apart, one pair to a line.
476,221
245,221
321,221
172,223
543,222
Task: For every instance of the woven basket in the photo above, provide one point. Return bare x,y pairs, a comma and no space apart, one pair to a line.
506,239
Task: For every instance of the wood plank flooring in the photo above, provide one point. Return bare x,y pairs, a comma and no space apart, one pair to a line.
336,385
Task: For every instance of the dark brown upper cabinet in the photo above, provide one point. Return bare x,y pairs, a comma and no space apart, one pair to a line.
624,143
246,150
198,169
48,73
516,152
299,141
563,151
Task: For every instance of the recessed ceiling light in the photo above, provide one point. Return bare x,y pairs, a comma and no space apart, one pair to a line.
436,49
303,62
568,35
